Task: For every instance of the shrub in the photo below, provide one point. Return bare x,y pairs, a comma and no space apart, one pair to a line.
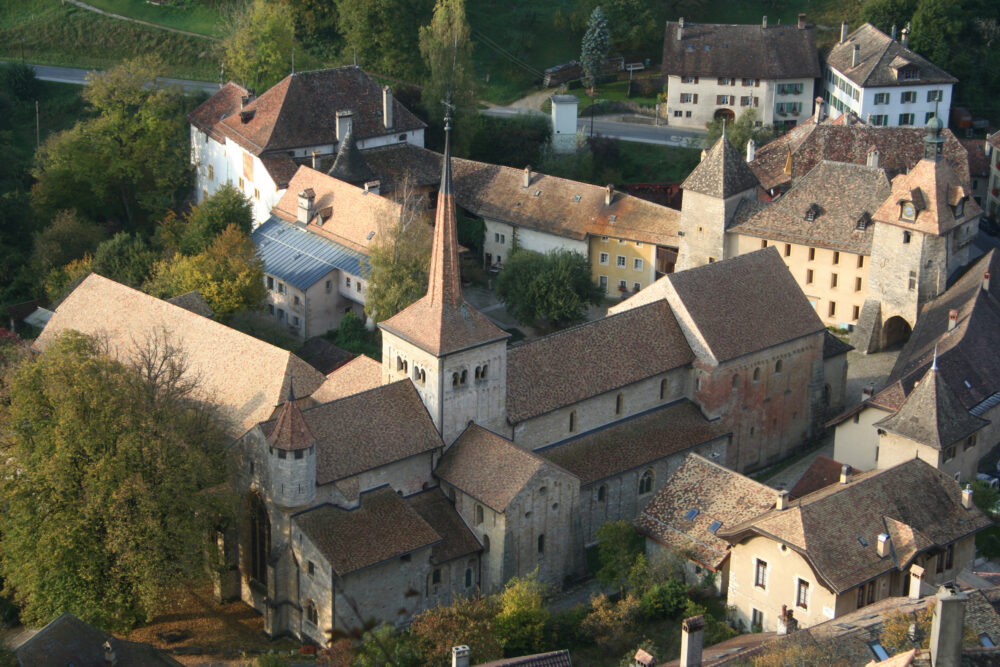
665,600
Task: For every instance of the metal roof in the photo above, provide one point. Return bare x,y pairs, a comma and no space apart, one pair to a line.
302,258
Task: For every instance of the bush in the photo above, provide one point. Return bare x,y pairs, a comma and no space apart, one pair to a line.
19,80
612,625
665,600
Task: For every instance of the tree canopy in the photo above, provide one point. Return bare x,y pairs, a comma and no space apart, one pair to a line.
258,49
740,132
594,48
384,32
446,48
556,286
106,467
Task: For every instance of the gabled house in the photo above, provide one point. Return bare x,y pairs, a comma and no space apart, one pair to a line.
883,81
718,71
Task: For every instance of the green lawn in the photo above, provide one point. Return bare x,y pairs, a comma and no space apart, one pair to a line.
626,162
204,19
616,91
55,34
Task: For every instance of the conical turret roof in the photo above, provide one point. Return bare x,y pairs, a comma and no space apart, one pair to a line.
349,166
723,173
291,432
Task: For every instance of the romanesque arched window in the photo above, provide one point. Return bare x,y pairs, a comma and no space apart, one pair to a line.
756,375
777,367
482,374
465,375
664,388
646,482
454,379
602,492
541,545
468,577
736,381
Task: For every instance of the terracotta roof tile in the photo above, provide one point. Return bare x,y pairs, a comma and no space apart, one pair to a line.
839,194
217,355
617,350
360,374
551,659
745,51
290,431
929,185
635,442
368,430
207,115
823,472
825,526
722,497
382,528
471,465
456,538
723,173
878,56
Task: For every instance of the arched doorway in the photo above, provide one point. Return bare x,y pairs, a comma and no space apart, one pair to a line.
895,332
728,114
260,539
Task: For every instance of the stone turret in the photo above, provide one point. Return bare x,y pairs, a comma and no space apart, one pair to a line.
291,457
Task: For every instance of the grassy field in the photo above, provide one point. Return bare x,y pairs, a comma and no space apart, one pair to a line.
196,17
60,106
51,33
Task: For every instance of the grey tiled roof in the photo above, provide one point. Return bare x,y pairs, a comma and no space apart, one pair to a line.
300,257
69,641
878,54
456,538
842,194
743,51
723,173
833,346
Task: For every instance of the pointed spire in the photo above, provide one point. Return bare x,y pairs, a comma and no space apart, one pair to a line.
443,283
934,365
290,431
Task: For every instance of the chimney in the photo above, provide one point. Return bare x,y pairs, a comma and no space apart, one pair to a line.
856,56
818,110
893,35
751,150
986,281
315,162
843,32
609,194
873,157
692,640
782,502
306,199
245,100
110,655
642,658
952,319
763,23
883,545
387,107
845,474
460,656
948,627
905,41
802,21
916,579
787,624
527,176
680,28
345,120
967,497
867,392
373,187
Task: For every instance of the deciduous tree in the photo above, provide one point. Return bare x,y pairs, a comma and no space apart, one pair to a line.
523,615
104,466
446,48
226,206
258,49
469,621
556,287
125,258
740,132
66,238
618,547
384,34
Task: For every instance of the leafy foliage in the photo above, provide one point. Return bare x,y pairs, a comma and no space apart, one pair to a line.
618,546
740,132
125,258
884,14
523,615
613,625
638,29
20,80
665,600
227,206
66,238
987,499
469,621
556,286
384,32
258,50
594,48
446,48
515,142
106,465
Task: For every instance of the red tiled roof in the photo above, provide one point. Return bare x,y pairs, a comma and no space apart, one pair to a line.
207,115
939,187
823,472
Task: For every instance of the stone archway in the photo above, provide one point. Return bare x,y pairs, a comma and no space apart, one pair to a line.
728,114
895,332
260,539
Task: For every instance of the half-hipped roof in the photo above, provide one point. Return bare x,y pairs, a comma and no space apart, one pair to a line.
941,199
880,57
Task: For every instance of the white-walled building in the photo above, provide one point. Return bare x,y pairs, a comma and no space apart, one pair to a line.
884,82
257,143
719,71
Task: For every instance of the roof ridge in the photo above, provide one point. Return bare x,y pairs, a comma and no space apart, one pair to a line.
577,327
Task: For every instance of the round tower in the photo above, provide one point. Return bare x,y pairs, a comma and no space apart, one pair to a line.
292,458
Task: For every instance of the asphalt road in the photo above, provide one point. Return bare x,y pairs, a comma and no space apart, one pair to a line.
79,77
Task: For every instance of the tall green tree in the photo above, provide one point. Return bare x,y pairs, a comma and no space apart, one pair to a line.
883,14
638,30
556,287
258,48
125,258
104,466
594,48
937,26
740,132
129,163
384,34
618,547
227,206
446,48
469,621
316,26
523,615
67,237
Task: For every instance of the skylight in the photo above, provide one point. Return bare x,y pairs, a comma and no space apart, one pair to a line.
879,652
714,528
863,541
370,236
691,514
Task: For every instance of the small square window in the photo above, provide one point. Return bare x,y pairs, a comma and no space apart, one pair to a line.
604,258
637,264
832,310
621,261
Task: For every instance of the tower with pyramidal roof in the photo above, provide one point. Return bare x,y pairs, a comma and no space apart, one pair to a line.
456,357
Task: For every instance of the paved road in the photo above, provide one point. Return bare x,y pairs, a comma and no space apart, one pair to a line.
79,77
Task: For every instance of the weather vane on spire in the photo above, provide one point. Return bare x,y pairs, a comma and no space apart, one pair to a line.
448,106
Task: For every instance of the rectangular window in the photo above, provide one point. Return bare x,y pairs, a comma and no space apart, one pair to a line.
211,173
809,276
723,81
788,250
270,283
637,264
880,119
678,114
760,574
833,280
970,442
908,96
881,98
746,100
622,285
949,557
281,288
861,261
871,592
906,119
832,310
856,313
295,323
329,286
604,258
802,594
357,288
757,619
935,95
686,98
295,299
812,254
949,453
636,287
861,596
496,237
687,114
503,239
940,563
347,282
763,243
857,284
689,79
621,261
242,186
928,116
836,257
747,82
603,282
913,280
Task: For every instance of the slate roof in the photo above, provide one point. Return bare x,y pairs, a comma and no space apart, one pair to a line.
743,51
302,258
722,173
939,188
635,442
367,430
834,347
618,350
391,163
979,163
69,641
456,538
473,464
442,321
247,393
301,110
932,415
324,356
841,193
194,302
878,56
207,115
382,528
551,659
343,213
360,374
900,148
722,497
919,506
823,472
349,165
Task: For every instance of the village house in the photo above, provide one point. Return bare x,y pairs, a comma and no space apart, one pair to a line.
717,71
883,82
257,143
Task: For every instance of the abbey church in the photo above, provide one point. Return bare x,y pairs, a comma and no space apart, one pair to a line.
460,461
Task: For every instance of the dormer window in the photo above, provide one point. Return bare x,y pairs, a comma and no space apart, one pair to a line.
863,221
907,211
959,208
812,212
